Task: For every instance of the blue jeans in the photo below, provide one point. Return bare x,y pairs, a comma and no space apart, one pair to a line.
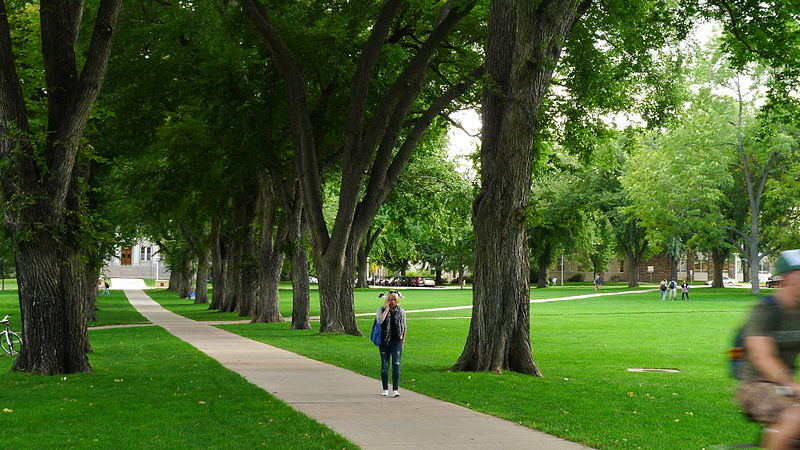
394,350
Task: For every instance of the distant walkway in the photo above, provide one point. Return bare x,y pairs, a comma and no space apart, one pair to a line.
347,402
540,300
125,284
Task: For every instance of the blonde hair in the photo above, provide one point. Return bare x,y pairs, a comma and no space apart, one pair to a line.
393,295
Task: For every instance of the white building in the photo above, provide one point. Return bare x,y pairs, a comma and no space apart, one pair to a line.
141,260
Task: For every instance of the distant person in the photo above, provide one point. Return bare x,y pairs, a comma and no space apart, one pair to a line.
105,288
555,280
597,283
769,392
392,319
673,290
191,295
685,291
663,288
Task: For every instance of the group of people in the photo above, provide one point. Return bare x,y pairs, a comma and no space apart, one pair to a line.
671,288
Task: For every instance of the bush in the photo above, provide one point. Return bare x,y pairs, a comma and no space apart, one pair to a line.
578,277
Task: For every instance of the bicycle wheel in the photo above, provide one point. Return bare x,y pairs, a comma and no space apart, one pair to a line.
10,343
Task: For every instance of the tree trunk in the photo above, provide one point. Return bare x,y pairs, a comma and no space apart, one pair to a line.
438,278
673,267
50,273
249,276
363,267
745,270
718,257
363,255
269,275
232,279
301,302
523,49
52,309
90,292
755,263
218,266
633,270
337,305
201,284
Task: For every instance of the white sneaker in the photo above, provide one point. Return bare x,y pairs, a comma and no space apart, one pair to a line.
385,393
395,394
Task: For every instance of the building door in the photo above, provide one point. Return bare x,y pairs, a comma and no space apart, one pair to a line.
125,256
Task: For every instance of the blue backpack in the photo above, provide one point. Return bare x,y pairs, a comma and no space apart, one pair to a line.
736,352
376,335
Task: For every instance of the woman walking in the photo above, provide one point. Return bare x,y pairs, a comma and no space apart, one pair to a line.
392,319
685,291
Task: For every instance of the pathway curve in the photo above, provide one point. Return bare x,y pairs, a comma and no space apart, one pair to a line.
347,402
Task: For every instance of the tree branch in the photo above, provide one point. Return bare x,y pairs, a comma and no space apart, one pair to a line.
300,117
68,116
384,178
459,126
363,76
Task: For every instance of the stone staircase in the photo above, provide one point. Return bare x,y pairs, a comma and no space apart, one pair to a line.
138,271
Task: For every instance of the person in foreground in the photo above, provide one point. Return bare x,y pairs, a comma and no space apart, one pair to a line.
769,392
392,319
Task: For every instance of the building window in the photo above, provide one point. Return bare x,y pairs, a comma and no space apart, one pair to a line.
765,267
700,263
622,266
145,254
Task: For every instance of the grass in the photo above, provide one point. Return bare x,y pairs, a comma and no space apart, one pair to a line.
148,390
367,301
114,309
584,348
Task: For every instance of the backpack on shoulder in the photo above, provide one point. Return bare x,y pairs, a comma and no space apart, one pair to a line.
736,351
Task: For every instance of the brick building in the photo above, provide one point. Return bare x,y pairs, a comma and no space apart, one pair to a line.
694,266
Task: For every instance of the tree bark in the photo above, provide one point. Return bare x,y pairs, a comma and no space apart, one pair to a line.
219,262
51,277
337,304
523,48
301,302
201,283
52,310
718,256
274,232
363,255
633,262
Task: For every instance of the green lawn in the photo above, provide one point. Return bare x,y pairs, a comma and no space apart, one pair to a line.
114,309
367,301
584,348
148,390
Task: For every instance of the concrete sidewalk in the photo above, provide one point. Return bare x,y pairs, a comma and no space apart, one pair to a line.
347,402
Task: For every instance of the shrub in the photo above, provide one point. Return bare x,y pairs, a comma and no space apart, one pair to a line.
578,277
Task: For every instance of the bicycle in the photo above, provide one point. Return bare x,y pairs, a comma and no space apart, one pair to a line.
10,342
